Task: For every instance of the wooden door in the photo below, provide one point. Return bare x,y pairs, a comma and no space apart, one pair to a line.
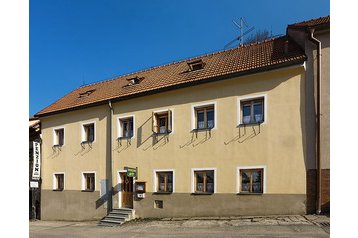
127,191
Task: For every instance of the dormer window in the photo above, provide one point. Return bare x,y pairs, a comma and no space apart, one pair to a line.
134,81
196,65
86,93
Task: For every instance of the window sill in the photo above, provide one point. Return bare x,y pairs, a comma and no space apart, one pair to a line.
249,194
57,190
57,146
124,137
203,129
250,124
87,190
86,142
201,193
161,133
162,193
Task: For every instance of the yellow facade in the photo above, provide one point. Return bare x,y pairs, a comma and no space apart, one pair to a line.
278,145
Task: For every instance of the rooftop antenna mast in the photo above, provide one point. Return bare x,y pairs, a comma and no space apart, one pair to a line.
241,25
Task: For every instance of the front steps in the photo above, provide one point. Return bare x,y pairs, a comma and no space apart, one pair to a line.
117,217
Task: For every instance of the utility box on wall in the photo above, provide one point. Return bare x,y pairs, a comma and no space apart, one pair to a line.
140,189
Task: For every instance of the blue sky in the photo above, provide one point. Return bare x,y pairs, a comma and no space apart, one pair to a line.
86,41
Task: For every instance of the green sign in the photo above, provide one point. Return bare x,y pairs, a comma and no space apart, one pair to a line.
131,172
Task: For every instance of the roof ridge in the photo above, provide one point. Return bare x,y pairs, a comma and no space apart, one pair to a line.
180,61
313,19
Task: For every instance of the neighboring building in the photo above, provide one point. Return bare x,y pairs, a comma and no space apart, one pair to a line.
34,185
301,33
222,134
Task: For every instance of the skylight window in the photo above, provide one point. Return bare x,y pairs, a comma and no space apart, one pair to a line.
196,65
134,81
86,93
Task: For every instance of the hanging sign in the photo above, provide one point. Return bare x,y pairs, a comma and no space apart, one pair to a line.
37,161
131,172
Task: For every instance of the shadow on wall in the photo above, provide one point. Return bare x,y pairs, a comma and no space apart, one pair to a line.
245,133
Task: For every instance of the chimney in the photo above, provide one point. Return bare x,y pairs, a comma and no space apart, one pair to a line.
285,47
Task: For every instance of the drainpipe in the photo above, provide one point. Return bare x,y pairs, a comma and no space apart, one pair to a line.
318,127
110,187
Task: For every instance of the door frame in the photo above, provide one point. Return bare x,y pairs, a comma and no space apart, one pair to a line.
119,179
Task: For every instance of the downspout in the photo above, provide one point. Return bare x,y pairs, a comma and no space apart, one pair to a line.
318,118
110,186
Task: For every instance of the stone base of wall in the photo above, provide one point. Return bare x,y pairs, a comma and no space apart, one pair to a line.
312,190
71,205
188,205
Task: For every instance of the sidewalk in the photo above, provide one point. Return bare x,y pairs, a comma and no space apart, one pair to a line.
254,226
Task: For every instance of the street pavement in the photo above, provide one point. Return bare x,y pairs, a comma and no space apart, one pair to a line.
279,226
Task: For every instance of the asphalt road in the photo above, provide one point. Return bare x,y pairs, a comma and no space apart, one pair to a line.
179,228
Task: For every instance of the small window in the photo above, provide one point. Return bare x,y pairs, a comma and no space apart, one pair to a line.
88,181
162,122
59,137
196,65
86,93
204,181
165,182
251,180
252,111
158,204
205,117
126,127
59,182
134,81
88,130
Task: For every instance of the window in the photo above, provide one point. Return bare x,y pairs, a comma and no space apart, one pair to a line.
162,122
126,126
204,117
58,183
204,181
164,181
196,65
59,135
158,204
88,182
252,111
88,132
251,180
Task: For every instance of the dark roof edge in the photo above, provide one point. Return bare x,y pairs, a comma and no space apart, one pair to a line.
179,86
322,26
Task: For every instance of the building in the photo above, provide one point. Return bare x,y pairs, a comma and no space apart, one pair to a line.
317,50
221,134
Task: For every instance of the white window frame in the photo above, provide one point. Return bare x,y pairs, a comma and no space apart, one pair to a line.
172,117
238,182
55,139
202,169
204,104
155,178
54,181
248,98
83,135
119,125
83,182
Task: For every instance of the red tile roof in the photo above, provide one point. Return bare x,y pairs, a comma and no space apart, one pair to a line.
242,60
322,21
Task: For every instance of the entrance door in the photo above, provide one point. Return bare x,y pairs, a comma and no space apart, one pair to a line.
127,191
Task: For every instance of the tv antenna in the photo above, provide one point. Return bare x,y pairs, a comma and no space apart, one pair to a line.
243,24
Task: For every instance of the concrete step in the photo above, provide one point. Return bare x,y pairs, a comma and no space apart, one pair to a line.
119,213
109,223
117,218
123,210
